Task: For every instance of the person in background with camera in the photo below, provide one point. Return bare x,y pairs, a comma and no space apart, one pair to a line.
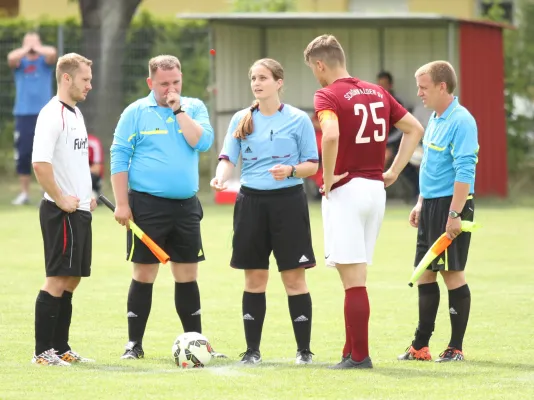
33,66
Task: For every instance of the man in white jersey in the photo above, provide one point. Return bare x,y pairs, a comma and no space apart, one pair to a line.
61,163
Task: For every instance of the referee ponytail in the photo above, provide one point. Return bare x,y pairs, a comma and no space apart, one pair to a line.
246,125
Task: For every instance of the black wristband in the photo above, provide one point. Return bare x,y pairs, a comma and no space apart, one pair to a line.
178,111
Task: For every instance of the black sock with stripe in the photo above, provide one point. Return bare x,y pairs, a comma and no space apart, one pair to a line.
187,303
459,308
300,309
428,310
139,305
254,307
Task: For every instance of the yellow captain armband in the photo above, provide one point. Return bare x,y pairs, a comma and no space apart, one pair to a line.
326,115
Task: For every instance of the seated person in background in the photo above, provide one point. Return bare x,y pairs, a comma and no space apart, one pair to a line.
385,79
96,163
411,171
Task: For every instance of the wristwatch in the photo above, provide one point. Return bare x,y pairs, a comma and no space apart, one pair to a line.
293,173
453,214
178,111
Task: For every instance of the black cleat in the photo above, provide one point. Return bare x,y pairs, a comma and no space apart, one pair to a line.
451,354
349,363
134,350
304,357
250,357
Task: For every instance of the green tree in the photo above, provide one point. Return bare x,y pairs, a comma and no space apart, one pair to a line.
105,25
263,5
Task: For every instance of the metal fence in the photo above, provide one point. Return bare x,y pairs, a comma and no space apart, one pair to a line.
119,72
119,77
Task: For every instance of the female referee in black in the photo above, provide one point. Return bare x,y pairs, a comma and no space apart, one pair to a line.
278,149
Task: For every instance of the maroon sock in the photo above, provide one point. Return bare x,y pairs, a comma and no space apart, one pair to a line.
357,315
348,346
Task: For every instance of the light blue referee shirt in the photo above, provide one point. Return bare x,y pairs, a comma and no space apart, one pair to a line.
450,152
287,138
148,143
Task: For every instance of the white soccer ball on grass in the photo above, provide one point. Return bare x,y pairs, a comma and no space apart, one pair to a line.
191,350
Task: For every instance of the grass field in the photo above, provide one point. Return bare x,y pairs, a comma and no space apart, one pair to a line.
498,346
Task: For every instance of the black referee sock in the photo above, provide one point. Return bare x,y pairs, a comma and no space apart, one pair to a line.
459,307
139,305
187,302
428,310
46,313
300,309
254,309
61,336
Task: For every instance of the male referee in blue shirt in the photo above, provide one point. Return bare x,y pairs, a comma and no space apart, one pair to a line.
447,185
154,173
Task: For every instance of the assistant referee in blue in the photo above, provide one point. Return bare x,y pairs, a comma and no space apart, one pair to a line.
154,173
447,186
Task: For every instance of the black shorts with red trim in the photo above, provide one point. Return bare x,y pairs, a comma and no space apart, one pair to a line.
67,240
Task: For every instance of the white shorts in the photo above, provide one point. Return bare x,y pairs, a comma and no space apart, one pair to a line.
352,216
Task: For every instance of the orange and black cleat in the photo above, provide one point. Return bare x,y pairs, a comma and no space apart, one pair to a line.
411,353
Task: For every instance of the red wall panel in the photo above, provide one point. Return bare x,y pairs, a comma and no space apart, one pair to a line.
482,93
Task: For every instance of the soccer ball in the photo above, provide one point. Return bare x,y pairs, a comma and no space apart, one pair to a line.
191,350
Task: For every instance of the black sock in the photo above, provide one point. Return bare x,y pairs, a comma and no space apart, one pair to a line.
139,305
254,308
187,302
459,307
61,336
428,309
46,313
300,309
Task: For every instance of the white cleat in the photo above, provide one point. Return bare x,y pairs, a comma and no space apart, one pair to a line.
49,357
72,357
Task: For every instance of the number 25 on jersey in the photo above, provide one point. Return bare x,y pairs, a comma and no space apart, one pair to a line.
379,134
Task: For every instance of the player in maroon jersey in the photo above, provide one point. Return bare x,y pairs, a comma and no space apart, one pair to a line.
355,118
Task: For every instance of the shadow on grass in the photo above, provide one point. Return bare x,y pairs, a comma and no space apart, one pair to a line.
504,365
166,366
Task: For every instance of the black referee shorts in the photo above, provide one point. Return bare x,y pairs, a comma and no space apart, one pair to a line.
174,224
67,240
275,221
432,224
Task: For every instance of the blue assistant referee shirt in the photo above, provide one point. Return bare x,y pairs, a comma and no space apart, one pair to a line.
286,137
148,143
450,152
